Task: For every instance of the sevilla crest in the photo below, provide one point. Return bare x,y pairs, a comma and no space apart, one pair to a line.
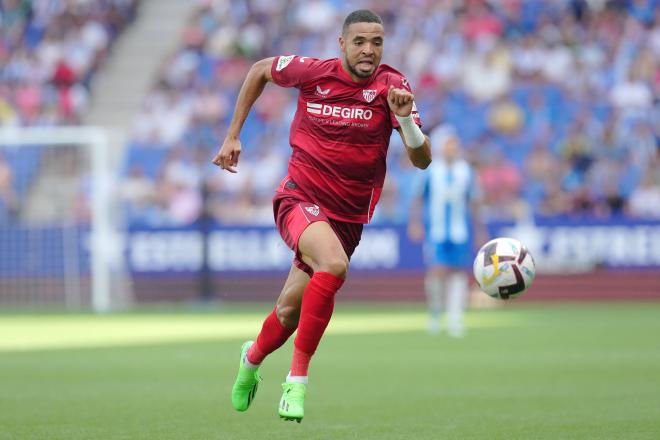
369,95
314,210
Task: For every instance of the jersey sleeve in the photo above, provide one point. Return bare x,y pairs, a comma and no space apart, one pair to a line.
401,82
293,70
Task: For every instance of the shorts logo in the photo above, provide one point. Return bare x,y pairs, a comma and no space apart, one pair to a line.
369,95
314,210
282,62
322,93
404,82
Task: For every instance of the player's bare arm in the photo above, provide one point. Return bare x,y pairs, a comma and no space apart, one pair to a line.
401,104
255,81
415,224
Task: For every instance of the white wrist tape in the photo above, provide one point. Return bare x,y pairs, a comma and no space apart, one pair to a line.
411,133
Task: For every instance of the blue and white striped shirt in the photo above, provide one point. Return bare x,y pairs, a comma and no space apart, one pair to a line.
448,191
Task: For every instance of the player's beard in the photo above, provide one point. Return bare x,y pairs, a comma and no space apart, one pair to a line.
359,74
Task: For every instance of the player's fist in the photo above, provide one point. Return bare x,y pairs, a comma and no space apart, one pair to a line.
400,101
227,157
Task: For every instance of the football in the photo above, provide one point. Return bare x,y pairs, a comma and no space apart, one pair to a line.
504,268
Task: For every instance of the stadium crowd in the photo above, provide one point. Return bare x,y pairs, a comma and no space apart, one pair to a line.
49,51
556,103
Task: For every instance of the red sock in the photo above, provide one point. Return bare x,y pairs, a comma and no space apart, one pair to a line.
317,305
271,337
300,362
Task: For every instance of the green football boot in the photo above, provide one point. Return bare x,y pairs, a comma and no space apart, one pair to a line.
292,402
247,382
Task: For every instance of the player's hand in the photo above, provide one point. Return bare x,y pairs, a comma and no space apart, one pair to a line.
227,157
415,231
400,101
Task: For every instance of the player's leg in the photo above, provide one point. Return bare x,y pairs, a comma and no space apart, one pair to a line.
457,293
276,329
457,287
322,250
283,320
434,285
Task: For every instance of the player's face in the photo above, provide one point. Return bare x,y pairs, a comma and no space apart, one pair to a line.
362,47
451,149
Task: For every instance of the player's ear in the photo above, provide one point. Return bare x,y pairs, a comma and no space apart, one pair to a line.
342,43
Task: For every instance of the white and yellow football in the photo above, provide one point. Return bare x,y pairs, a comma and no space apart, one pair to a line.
504,268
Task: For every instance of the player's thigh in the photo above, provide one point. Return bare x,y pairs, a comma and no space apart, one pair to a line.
290,299
320,248
438,271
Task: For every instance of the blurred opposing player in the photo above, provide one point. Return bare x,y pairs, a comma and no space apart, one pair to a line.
448,193
347,109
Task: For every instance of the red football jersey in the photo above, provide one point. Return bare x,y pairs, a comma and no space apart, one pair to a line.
340,133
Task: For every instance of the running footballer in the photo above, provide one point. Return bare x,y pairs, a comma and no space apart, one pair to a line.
347,109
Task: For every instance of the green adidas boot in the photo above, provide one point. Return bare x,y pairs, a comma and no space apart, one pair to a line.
247,382
292,402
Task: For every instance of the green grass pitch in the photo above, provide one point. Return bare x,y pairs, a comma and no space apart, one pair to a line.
586,371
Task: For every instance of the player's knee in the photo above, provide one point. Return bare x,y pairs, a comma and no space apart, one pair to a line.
288,315
337,266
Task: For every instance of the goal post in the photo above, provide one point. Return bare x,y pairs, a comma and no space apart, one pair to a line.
104,239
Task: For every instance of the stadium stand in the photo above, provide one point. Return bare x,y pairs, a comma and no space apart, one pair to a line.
49,52
562,98
556,102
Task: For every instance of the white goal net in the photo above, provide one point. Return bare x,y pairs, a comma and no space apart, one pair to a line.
60,244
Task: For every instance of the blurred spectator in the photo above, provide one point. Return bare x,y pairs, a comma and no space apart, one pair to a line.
613,202
184,204
487,73
632,94
611,145
137,194
645,199
555,201
642,144
480,21
8,195
505,116
539,167
577,150
501,182
581,201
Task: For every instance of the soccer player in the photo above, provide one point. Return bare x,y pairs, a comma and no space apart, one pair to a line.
449,193
347,109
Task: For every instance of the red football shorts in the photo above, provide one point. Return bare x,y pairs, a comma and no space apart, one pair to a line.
294,212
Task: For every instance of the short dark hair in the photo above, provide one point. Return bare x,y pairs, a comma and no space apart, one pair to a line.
360,16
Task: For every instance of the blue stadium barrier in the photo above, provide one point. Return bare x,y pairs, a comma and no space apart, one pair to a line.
170,252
